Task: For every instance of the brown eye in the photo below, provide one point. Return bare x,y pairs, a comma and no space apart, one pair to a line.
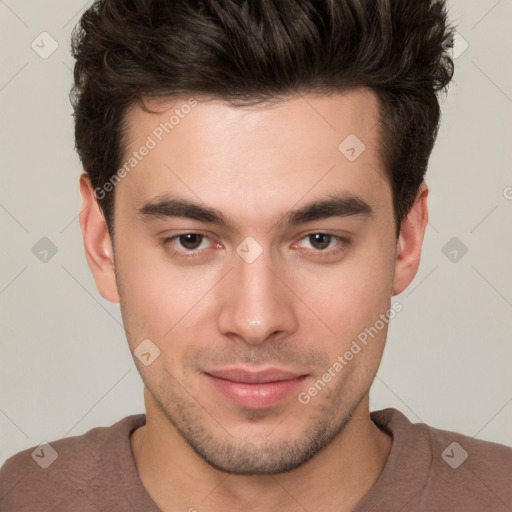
324,246
188,245
320,241
190,240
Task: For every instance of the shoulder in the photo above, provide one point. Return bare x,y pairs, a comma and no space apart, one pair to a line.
59,471
459,471
479,470
457,450
453,445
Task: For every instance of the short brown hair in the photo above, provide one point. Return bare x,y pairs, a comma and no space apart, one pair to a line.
250,51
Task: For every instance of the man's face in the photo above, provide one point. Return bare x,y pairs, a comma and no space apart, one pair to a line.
226,303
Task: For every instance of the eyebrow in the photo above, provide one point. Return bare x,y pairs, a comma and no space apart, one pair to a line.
340,205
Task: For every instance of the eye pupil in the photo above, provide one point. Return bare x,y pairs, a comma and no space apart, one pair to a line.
320,238
190,240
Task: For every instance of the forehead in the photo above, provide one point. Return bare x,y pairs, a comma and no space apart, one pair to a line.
267,154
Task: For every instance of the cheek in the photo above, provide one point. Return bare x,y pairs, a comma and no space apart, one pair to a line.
351,303
353,295
158,298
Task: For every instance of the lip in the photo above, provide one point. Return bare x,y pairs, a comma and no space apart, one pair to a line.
255,390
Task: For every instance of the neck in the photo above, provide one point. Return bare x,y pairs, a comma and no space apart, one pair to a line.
336,478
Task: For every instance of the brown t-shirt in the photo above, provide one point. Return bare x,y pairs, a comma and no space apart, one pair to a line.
428,470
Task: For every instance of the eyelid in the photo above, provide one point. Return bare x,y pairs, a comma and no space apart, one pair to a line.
191,252
339,238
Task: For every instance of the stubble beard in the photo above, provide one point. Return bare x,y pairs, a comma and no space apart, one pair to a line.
211,441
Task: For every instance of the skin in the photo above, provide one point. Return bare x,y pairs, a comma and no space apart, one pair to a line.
293,307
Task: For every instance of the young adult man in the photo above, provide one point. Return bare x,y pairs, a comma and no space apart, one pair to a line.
253,197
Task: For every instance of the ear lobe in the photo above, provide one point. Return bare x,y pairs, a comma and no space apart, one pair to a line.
410,240
97,243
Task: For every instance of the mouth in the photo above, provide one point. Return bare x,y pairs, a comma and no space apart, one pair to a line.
255,390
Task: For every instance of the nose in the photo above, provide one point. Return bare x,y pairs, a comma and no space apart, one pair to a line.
256,304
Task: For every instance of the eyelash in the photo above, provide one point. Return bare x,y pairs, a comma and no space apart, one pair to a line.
194,253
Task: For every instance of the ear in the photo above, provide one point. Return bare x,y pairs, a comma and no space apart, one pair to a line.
410,240
97,244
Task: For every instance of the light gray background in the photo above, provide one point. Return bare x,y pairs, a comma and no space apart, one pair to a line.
65,365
